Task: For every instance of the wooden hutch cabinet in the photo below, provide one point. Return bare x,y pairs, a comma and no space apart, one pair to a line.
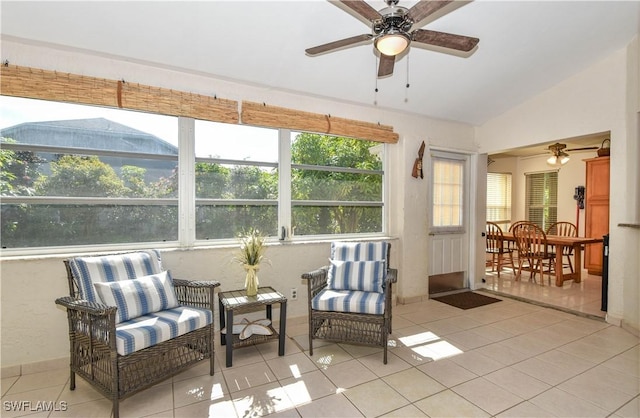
596,211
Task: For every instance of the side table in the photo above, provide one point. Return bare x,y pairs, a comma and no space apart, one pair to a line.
236,302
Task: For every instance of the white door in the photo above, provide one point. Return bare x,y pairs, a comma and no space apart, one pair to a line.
448,222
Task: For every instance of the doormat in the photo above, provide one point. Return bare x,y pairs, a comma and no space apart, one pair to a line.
466,300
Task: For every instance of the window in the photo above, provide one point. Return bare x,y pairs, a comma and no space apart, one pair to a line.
83,175
336,185
448,195
236,180
499,198
79,175
542,198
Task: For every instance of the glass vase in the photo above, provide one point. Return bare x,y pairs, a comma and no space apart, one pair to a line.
251,280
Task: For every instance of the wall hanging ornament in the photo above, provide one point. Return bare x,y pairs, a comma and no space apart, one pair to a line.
417,165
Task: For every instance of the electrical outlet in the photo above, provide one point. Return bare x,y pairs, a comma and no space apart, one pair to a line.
294,293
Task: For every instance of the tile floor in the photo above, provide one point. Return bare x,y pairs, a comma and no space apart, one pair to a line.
583,297
507,359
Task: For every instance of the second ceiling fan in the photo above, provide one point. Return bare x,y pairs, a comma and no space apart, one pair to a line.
392,31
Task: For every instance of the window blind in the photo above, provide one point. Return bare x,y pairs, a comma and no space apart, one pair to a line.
541,200
499,198
260,114
34,83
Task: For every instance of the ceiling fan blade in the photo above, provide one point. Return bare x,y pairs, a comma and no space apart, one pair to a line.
426,8
445,40
338,44
362,8
386,65
582,149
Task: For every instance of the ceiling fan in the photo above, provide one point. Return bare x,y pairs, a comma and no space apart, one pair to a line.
559,153
392,31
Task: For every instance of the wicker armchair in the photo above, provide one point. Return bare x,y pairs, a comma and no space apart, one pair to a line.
97,331
350,300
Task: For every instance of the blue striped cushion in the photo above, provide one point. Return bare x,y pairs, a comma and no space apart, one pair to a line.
89,270
148,330
359,251
353,301
367,276
140,296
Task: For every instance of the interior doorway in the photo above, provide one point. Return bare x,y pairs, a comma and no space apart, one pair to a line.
584,297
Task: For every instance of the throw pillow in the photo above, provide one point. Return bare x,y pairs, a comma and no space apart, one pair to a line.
367,276
140,296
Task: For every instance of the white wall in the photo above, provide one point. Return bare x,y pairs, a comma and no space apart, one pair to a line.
595,100
30,285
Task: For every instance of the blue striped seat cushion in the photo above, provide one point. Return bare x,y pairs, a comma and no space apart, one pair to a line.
148,330
353,301
359,251
139,296
89,270
367,276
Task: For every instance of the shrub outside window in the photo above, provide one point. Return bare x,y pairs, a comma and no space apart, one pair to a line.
82,175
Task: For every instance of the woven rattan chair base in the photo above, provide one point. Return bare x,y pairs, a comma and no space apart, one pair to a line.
350,328
143,368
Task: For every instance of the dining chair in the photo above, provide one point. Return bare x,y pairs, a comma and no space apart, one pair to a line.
564,229
512,244
532,245
496,248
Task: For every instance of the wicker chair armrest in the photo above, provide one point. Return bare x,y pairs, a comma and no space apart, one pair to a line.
316,281
196,283
83,305
392,276
198,293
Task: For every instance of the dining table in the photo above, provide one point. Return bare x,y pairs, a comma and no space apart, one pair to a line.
560,242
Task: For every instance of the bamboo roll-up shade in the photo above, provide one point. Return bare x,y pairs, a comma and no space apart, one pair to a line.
52,85
260,114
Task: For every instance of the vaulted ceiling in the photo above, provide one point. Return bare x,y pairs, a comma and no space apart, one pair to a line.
525,47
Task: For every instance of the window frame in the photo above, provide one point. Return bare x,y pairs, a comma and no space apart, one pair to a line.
463,161
187,201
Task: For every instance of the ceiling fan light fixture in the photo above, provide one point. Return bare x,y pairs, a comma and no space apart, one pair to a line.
558,160
392,43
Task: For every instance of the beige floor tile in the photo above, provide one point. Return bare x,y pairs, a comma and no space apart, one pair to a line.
552,374
375,398
6,383
449,404
413,384
488,396
24,402
150,401
253,375
587,351
100,408
219,408
41,380
294,365
270,350
477,362
409,411
198,389
447,372
240,356
630,409
357,351
261,400
604,387
502,353
348,374
200,369
375,363
562,404
627,362
517,382
84,392
468,340
308,387
334,406
524,410
328,356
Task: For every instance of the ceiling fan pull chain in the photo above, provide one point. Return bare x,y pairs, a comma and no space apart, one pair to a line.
406,90
375,77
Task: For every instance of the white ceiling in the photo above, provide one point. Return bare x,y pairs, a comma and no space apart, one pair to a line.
525,47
